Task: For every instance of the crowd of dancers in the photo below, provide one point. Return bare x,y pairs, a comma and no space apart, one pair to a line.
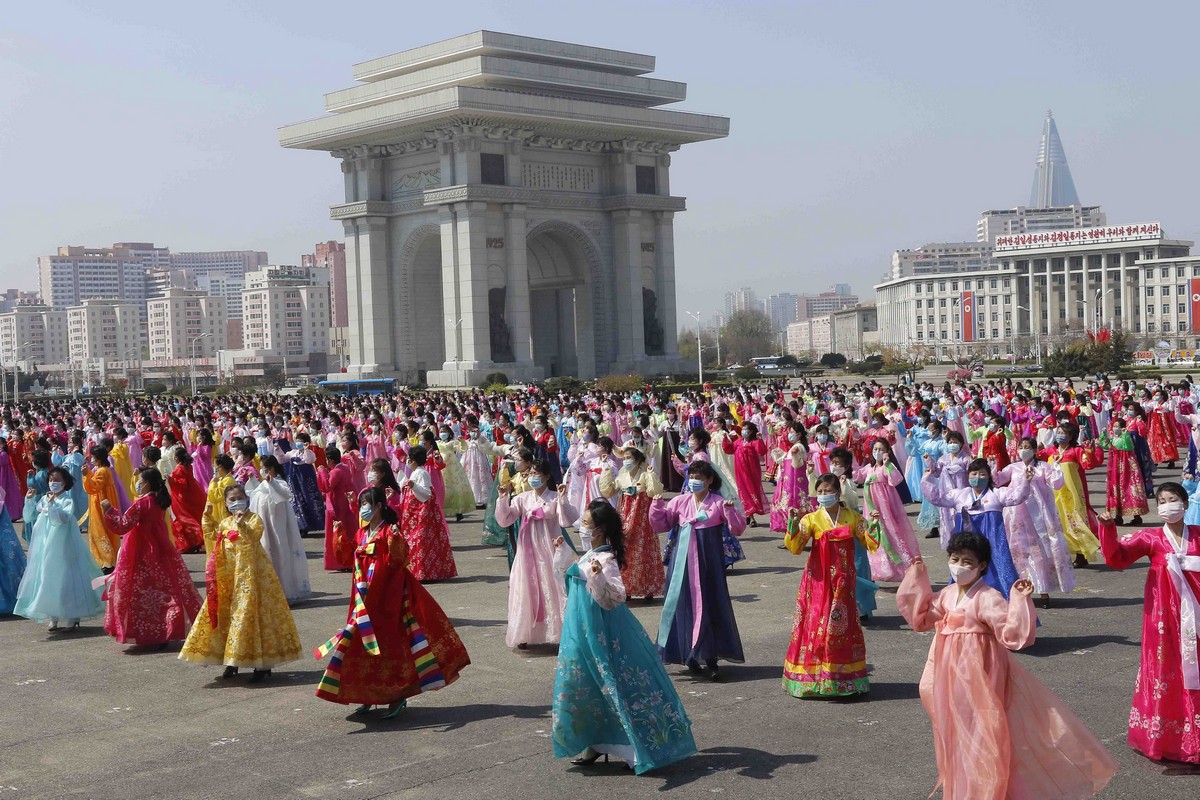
579,491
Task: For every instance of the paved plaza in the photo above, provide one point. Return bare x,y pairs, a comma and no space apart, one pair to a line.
85,717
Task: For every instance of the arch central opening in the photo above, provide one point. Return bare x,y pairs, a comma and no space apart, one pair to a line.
559,305
429,332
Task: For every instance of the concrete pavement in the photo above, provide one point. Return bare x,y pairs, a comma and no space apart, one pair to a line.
84,717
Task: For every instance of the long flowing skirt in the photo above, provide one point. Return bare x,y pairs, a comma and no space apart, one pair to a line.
1001,573
672,481
429,555
712,633
1125,492
1079,522
410,627
864,587
12,563
791,491
891,559
1036,542
460,498
151,596
58,581
307,500
479,474
611,692
643,574
827,656
536,596
1163,448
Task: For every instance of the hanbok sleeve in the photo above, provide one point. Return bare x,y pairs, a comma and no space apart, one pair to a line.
653,484
422,485
1052,474
567,514
123,523
507,512
608,483
894,476
1013,622
249,528
1015,493
799,531
1122,553
915,599
563,558
931,488
664,515
605,586
735,518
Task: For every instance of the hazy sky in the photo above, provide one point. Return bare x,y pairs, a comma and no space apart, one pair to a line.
857,128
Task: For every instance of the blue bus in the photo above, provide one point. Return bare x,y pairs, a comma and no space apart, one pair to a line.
355,388
767,362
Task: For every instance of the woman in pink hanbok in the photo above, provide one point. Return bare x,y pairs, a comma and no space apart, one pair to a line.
537,596
477,456
998,733
897,542
202,458
791,484
1166,695
748,453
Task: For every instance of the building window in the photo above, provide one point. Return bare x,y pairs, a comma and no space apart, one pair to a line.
919,319
918,288
994,300
1166,272
491,169
647,180
1181,289
1182,308
942,287
1166,308
995,333
1166,290
992,283
944,335
1150,311
943,319
954,286
942,303
966,285
1149,327
920,334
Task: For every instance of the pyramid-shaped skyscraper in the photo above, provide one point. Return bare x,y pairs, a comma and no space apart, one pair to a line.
1052,184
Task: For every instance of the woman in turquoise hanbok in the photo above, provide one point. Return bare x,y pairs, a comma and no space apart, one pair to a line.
12,561
611,693
62,580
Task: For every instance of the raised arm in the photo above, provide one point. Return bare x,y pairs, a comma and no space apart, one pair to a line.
1012,622
1118,553
605,585
915,598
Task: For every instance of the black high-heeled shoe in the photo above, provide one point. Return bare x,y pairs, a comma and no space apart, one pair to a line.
587,761
229,673
260,675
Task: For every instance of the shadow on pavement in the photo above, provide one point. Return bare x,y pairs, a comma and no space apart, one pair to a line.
1093,601
746,761
1057,645
734,571
478,623
883,692
463,579
447,718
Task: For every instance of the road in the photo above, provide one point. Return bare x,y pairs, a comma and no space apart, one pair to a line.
85,717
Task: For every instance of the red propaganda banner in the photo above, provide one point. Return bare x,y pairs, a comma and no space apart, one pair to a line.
966,305
1194,305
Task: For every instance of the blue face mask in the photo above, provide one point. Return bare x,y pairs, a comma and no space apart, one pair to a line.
695,485
445,437
978,482
827,500
1060,438
535,481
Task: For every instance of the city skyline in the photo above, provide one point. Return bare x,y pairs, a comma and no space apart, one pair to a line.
886,150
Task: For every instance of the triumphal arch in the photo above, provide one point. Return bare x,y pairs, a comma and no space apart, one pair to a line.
508,208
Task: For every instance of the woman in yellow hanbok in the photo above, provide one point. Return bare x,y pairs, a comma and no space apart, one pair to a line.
245,620
214,509
1079,521
100,484
122,464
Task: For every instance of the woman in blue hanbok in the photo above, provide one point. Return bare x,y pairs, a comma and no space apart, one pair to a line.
698,626
980,509
61,582
73,464
611,693
12,561
914,469
308,503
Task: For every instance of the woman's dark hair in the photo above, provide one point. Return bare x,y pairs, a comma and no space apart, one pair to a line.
377,496
637,455
1071,429
980,464
829,479
152,454
701,436
955,436
606,519
157,486
387,478
249,451
542,467
272,463
182,456
524,454
224,462
418,455
703,469
1173,488
67,481
41,459
100,454
333,455
973,543
841,455
234,487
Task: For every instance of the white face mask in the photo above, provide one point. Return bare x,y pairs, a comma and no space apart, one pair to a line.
963,574
838,469
1171,512
1026,455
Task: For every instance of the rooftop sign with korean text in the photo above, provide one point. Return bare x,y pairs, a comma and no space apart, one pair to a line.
1076,237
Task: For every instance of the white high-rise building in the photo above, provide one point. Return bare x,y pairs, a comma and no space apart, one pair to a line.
743,299
941,257
222,273
782,309
105,329
1007,221
275,273
182,316
286,318
34,334
77,274
159,281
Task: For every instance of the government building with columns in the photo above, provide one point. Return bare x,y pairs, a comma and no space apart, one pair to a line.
507,209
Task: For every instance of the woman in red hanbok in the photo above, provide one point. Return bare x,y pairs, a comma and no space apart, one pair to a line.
748,453
422,524
827,656
1166,695
151,597
1125,490
187,505
336,484
397,641
635,486
1163,447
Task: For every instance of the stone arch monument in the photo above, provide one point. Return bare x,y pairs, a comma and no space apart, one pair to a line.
508,209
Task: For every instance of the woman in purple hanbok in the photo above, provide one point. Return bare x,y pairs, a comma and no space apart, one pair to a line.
791,484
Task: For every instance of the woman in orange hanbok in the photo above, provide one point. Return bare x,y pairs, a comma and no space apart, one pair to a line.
100,484
397,641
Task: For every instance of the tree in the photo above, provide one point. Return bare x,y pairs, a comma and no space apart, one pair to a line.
687,346
745,335
1104,354
833,360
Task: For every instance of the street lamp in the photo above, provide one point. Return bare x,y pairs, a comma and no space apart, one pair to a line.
1100,308
1084,303
699,346
194,340
1037,333
125,358
457,343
